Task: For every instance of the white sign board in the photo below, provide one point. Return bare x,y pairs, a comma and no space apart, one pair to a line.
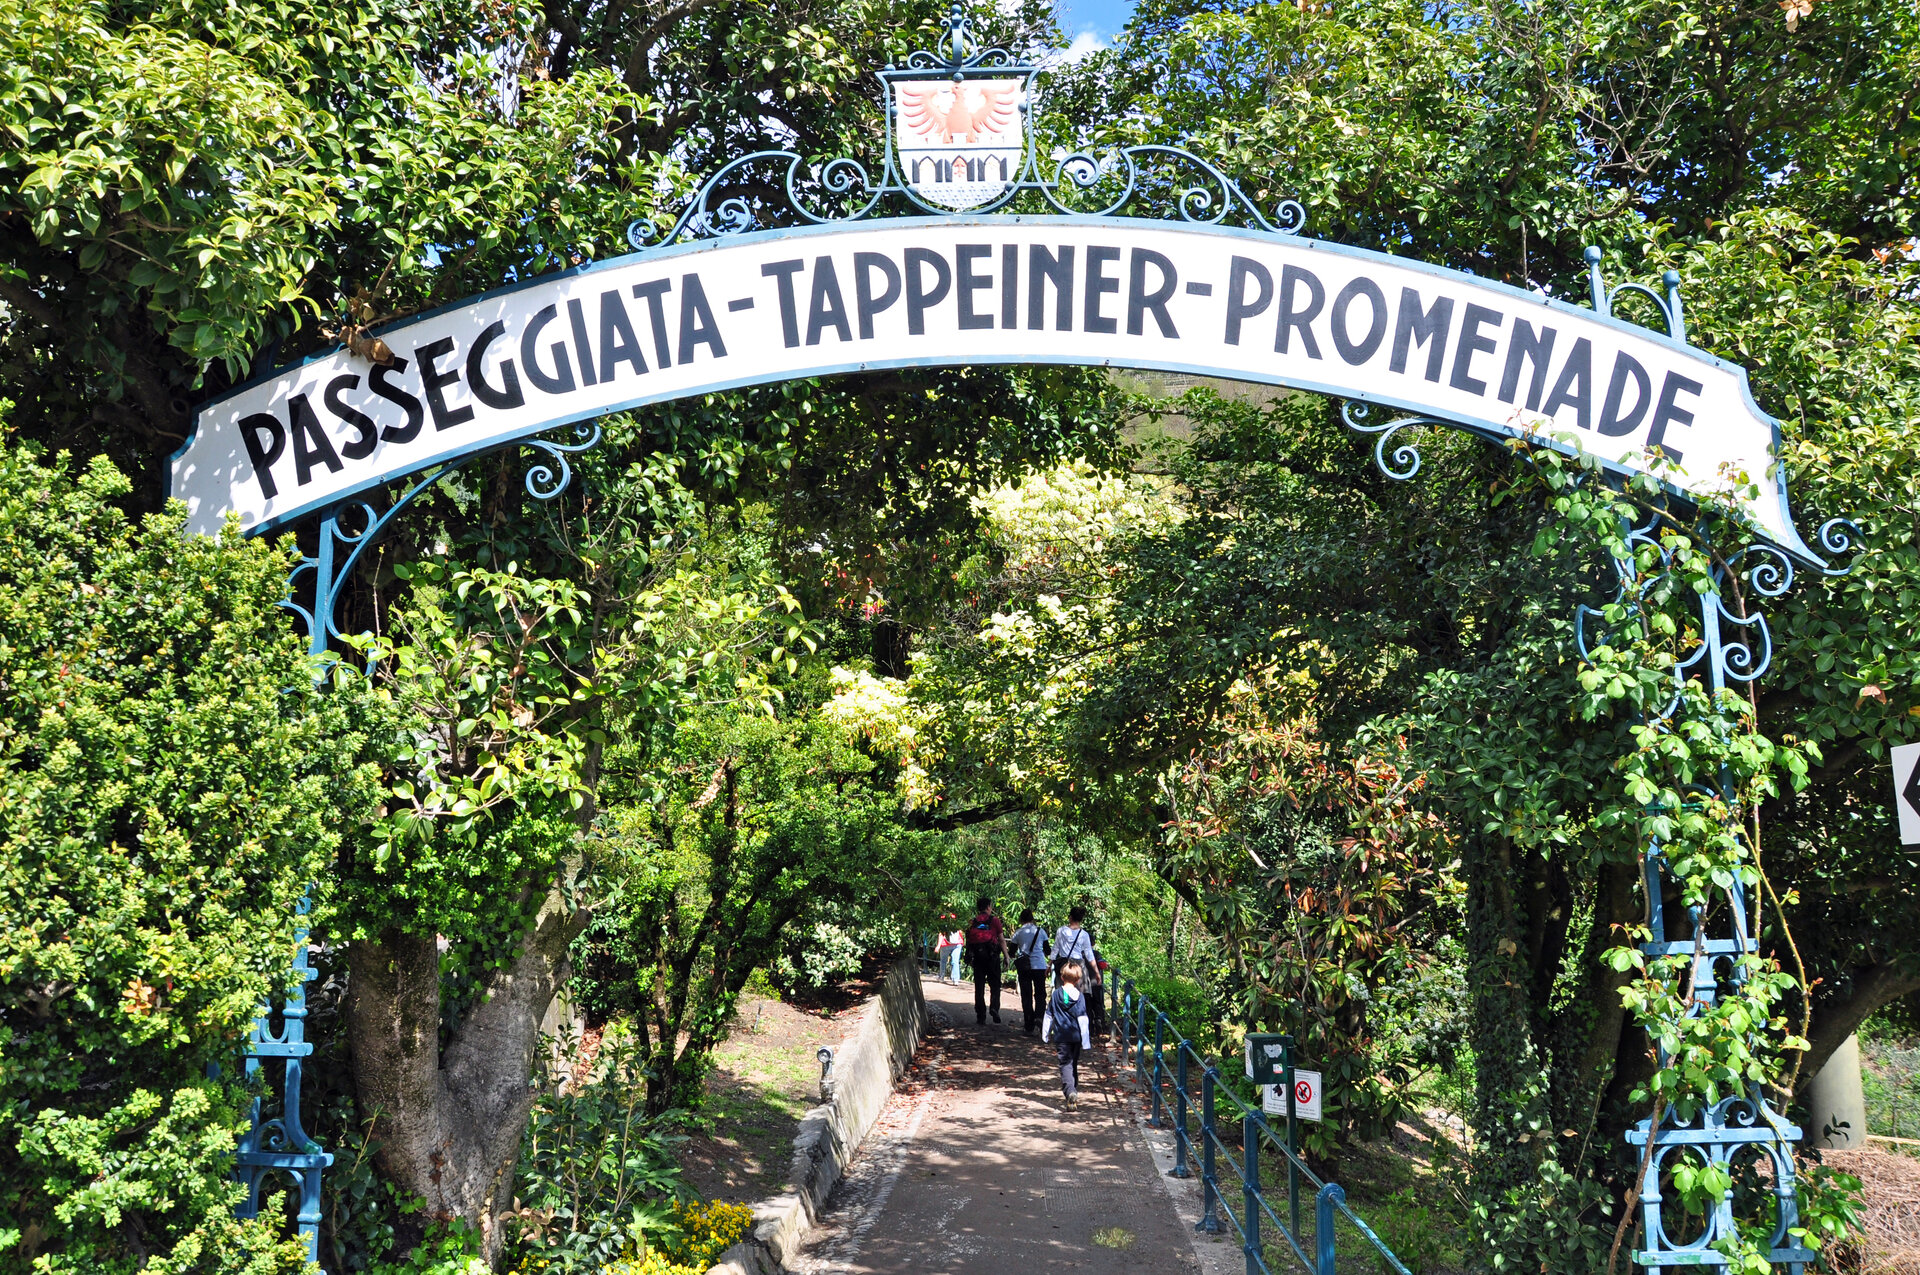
1306,1097
776,305
1906,792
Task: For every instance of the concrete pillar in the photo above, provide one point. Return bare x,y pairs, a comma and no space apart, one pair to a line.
1836,1104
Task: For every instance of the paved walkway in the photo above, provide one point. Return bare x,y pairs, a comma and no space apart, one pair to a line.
975,1169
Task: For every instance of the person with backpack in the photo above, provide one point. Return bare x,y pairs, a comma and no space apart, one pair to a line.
1066,1024
986,944
1030,949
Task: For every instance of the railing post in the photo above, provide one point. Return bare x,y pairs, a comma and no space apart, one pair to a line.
1209,1183
1140,1056
1180,1169
1323,1205
1250,1194
1293,1138
1156,1120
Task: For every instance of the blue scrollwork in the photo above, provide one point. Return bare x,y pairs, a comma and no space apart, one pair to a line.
348,529
1406,457
959,49
543,482
1839,536
1668,306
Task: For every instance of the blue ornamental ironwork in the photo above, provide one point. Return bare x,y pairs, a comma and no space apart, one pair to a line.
281,1145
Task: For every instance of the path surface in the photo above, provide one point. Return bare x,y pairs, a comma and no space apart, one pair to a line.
975,1169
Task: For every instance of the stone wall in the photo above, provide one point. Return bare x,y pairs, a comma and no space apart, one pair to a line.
865,1066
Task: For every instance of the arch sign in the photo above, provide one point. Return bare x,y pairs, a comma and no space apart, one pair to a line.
968,280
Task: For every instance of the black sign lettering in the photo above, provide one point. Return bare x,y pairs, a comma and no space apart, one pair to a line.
582,346
1098,286
1292,317
1239,308
618,341
920,298
509,395
782,272
561,382
262,455
1668,413
1044,267
1010,285
1613,422
435,382
379,383
864,300
1471,343
1351,351
826,308
1527,345
367,434
1141,302
651,292
1415,327
697,326
968,283
1575,387
311,446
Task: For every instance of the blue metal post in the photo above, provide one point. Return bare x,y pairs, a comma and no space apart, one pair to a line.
1323,1207
1140,1042
1250,1194
1209,1182
1156,1120
1180,1169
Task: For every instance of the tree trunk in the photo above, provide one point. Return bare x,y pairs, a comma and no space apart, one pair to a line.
1837,1017
447,1123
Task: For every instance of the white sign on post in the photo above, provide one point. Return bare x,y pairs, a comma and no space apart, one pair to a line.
1306,1097
1906,792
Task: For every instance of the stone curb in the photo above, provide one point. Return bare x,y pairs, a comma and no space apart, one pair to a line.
865,1067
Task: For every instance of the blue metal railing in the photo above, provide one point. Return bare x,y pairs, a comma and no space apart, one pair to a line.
1144,1032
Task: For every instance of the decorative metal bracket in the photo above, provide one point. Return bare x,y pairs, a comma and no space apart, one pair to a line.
348,529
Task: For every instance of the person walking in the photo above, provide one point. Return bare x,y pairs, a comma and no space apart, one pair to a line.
1030,950
947,951
986,945
1066,1025
1072,943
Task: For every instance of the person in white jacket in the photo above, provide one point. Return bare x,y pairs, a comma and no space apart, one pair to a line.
1066,1025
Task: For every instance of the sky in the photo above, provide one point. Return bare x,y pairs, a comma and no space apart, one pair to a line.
1092,24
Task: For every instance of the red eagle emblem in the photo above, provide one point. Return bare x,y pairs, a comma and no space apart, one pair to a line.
949,113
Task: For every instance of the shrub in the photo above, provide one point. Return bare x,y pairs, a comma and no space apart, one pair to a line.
169,786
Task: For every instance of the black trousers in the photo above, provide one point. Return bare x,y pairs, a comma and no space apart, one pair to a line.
1033,996
986,974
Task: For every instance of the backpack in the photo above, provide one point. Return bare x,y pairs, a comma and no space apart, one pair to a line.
980,936
1064,1017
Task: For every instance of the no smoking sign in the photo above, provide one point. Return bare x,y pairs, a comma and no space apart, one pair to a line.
1306,1097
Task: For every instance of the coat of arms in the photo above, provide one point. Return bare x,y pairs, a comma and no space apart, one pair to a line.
962,141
